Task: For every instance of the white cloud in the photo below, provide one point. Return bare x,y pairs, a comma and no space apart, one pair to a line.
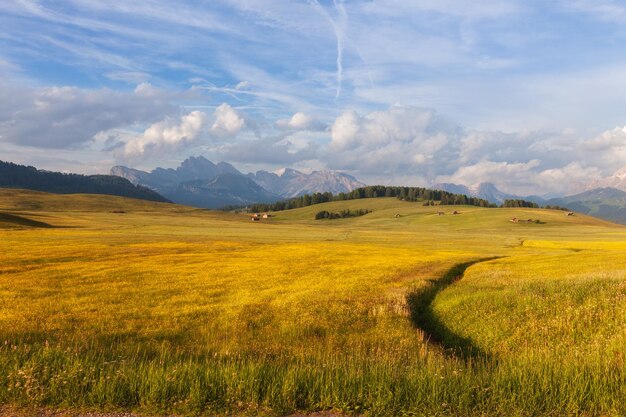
568,179
228,122
500,173
607,150
396,141
300,121
345,130
609,140
242,85
172,135
167,135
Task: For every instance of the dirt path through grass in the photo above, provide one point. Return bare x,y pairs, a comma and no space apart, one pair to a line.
435,331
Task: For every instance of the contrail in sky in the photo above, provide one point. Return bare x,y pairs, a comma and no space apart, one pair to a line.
339,34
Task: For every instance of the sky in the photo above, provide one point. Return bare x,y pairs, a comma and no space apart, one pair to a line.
527,94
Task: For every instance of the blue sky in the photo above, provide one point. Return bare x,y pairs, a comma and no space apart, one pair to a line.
530,95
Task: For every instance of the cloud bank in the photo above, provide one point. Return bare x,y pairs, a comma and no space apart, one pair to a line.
398,145
405,142
66,117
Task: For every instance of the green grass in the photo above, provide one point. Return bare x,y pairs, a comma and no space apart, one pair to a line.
170,309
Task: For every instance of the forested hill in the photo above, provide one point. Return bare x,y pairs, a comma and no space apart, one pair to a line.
403,193
20,176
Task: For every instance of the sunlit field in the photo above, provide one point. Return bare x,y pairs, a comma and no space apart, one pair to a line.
109,303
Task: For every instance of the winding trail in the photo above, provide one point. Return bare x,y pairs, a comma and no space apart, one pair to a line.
435,330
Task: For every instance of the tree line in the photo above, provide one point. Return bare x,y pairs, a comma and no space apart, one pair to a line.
324,214
519,203
373,191
530,204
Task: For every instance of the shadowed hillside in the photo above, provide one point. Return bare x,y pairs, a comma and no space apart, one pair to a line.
20,176
8,220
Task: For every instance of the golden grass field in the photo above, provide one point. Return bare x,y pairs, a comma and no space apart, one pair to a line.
130,305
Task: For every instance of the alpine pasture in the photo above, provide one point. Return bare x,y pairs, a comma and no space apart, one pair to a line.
109,303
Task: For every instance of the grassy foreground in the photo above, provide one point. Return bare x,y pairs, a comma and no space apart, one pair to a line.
111,303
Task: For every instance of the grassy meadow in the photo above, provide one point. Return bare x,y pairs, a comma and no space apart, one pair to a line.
109,303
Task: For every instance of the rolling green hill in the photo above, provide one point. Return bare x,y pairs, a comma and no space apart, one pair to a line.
606,203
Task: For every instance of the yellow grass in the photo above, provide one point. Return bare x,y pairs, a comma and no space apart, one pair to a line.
158,288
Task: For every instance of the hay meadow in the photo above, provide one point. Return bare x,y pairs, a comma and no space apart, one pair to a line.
118,304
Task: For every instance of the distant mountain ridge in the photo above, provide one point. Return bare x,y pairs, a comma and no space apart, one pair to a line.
162,179
291,183
200,182
606,203
486,191
28,177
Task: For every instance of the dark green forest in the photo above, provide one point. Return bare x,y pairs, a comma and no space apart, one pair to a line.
21,176
343,214
519,203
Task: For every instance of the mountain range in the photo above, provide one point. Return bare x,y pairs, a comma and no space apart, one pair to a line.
200,182
486,191
605,202
288,183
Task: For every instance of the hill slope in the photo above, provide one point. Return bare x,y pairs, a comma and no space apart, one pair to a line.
9,221
606,203
20,176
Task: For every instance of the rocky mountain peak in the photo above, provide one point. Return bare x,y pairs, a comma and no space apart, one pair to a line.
486,191
288,172
197,173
